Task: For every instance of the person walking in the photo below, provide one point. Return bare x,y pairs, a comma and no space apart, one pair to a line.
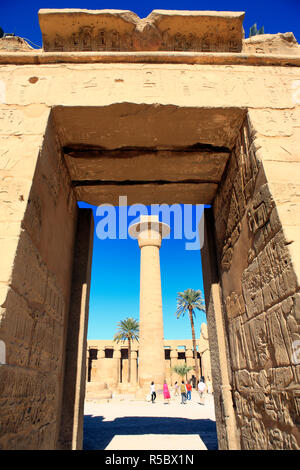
189,390
166,392
153,392
176,389
201,390
183,393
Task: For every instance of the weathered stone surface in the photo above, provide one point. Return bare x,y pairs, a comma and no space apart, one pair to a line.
259,289
247,104
13,44
173,193
121,30
281,43
21,121
167,127
33,306
144,165
205,86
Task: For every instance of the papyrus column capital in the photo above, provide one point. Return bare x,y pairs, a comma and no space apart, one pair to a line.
149,231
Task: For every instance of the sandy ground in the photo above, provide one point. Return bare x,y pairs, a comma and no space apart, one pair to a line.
129,424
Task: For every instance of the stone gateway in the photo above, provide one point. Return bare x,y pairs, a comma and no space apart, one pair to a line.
174,108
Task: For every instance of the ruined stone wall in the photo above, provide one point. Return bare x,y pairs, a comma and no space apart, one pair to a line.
260,289
39,231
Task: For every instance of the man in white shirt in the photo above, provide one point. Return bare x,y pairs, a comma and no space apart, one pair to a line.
152,391
201,390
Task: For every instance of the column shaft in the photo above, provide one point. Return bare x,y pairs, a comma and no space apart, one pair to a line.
151,350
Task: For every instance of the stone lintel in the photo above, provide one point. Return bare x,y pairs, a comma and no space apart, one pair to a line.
173,193
123,30
146,165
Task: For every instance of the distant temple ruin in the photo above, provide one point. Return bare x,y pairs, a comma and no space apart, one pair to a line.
107,364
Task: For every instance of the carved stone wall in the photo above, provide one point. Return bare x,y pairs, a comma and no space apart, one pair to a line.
196,99
121,30
260,297
34,314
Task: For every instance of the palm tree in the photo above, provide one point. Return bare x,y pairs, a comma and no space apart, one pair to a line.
128,330
181,370
188,301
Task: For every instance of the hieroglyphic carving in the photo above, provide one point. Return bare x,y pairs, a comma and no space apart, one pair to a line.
235,305
227,254
277,277
54,301
235,190
251,285
124,31
261,320
205,45
237,343
115,41
58,45
89,39
30,272
33,216
85,34
101,41
257,339
17,319
233,46
249,162
31,406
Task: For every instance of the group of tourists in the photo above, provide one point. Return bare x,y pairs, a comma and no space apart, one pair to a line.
185,389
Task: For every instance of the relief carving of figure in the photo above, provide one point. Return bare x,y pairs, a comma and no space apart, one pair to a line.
166,41
58,43
76,40
191,43
115,41
101,41
205,45
86,37
179,42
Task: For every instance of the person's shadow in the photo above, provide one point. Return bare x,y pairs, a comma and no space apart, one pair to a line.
99,433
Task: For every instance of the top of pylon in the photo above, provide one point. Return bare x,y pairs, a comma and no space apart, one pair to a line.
123,30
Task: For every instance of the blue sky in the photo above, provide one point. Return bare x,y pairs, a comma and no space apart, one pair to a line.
21,17
116,277
115,269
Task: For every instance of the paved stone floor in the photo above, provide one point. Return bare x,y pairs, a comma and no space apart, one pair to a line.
137,425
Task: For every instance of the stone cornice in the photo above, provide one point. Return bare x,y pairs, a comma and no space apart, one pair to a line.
122,30
165,57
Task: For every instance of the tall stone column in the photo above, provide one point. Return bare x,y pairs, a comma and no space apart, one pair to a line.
190,361
117,367
133,379
149,232
173,362
100,364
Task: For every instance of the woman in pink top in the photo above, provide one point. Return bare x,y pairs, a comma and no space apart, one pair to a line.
166,392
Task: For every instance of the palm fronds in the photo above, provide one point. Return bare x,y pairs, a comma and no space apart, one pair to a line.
128,329
181,370
189,299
